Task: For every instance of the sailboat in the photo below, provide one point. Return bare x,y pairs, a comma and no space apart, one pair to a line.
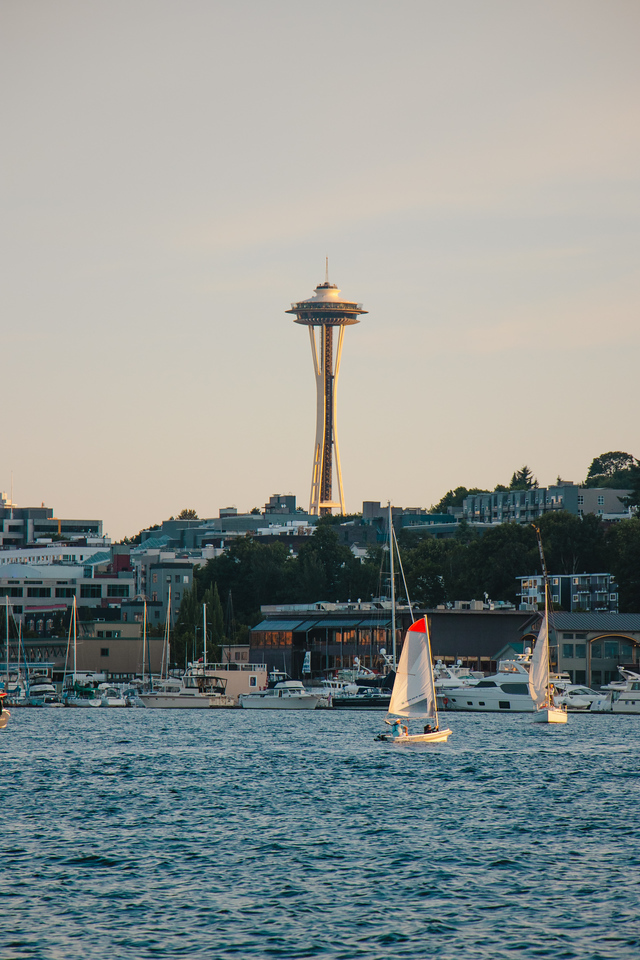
540,686
413,694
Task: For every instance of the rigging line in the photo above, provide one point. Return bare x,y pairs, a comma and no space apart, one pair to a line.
404,581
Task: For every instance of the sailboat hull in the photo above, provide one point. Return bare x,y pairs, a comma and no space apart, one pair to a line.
440,736
550,715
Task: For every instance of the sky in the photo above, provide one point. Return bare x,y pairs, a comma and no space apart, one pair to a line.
174,173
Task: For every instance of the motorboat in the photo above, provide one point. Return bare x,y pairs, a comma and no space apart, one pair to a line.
575,697
111,697
192,691
506,691
620,696
452,677
285,695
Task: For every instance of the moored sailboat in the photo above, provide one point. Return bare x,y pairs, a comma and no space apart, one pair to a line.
414,695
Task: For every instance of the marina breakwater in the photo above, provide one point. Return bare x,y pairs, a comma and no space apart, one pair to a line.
146,834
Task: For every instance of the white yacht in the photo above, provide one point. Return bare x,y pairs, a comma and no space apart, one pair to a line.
285,695
575,697
192,691
620,696
448,678
506,691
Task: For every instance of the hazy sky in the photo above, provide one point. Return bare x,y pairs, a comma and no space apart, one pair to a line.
176,171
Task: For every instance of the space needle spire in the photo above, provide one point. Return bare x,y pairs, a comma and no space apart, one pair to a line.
326,309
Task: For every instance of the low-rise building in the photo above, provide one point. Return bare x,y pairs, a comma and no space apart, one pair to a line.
524,506
571,592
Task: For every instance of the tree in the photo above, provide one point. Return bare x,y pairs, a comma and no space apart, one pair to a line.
188,514
614,469
623,540
454,498
523,479
255,511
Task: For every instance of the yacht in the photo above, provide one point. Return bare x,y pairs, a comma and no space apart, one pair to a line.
620,696
448,678
284,695
575,697
506,691
192,691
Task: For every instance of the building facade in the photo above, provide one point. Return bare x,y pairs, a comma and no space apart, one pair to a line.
524,506
572,592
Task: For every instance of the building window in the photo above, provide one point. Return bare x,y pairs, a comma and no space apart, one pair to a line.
38,591
581,652
177,578
567,650
117,590
580,500
626,650
601,500
576,598
185,578
101,633
157,614
610,649
596,651
91,590
596,676
169,579
253,681
567,636
154,578
613,596
65,592
104,651
555,598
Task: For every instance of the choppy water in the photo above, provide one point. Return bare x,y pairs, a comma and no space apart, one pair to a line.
224,834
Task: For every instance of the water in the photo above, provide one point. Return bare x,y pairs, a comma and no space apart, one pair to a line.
224,834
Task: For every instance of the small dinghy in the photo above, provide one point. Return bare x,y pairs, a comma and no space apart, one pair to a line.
413,694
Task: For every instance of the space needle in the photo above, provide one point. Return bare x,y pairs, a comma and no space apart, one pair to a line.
326,309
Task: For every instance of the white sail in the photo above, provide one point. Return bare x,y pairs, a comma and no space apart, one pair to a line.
539,668
413,690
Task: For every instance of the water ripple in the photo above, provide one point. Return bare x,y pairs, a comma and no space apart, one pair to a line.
135,835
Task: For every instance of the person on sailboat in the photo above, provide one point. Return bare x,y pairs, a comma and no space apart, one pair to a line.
429,729
396,728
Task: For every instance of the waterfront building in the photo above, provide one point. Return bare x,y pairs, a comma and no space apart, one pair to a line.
337,633
327,310
591,646
525,506
572,592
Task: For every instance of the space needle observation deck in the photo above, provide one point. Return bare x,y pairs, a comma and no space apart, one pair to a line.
326,309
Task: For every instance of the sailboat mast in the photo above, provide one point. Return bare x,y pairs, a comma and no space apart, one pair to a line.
75,640
144,639
6,626
545,580
432,686
392,574
204,634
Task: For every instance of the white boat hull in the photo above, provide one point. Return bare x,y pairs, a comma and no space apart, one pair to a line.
170,701
440,736
550,715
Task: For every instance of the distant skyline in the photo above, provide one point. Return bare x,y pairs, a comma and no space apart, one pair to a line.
174,175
